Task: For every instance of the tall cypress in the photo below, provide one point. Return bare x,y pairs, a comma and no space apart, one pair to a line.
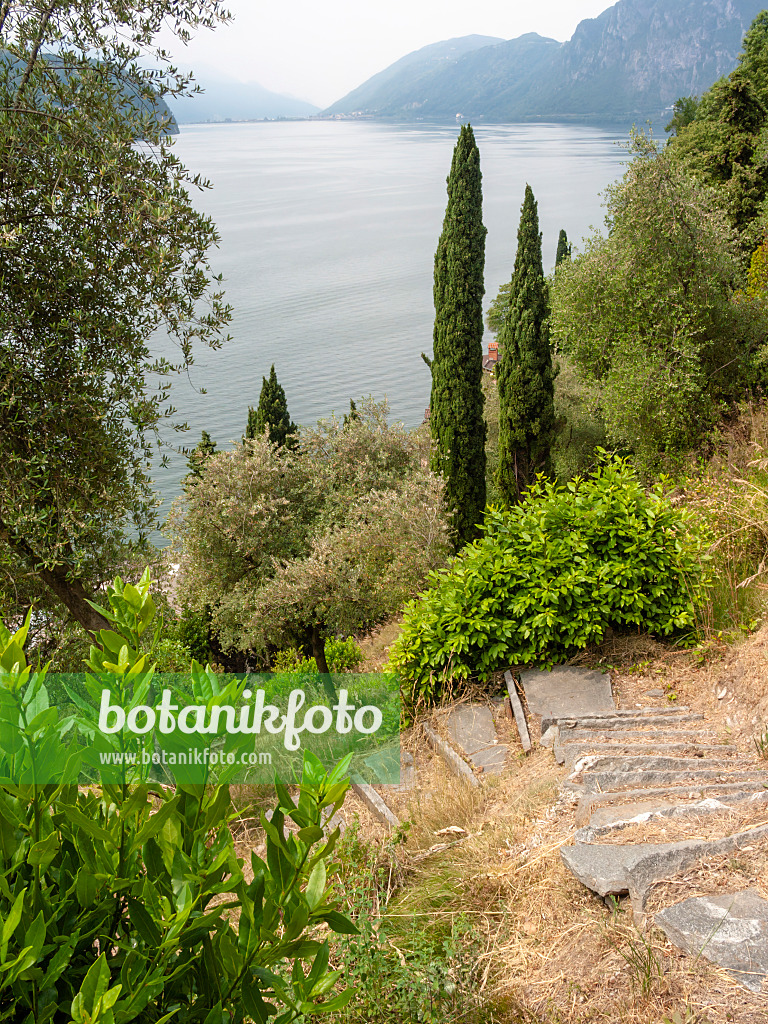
456,404
525,372
563,249
272,412
198,457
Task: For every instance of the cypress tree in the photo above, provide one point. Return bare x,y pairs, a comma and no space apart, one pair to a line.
525,372
198,456
456,403
563,249
272,413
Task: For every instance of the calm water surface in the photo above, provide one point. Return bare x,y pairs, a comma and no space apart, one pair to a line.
328,233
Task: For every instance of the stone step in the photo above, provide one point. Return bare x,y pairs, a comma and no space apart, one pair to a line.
610,870
652,762
569,753
617,815
655,814
627,722
730,930
603,782
695,736
584,716
589,804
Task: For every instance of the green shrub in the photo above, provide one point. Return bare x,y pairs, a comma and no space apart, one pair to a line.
127,903
550,576
341,655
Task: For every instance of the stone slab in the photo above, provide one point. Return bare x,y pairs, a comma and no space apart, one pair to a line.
471,727
594,763
609,817
374,803
614,870
659,734
451,758
517,710
567,692
607,821
589,803
730,931
491,759
611,782
570,753
622,722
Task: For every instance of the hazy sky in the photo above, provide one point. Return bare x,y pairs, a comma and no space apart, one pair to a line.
319,51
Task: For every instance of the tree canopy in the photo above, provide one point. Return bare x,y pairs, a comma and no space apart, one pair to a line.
456,403
100,246
525,373
651,313
271,414
289,545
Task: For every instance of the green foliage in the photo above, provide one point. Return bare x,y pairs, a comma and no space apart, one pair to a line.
724,142
341,656
127,903
498,311
648,313
271,415
456,403
563,248
580,428
524,371
683,112
550,576
193,631
198,457
100,246
291,545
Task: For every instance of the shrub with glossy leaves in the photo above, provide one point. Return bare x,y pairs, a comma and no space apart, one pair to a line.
550,576
127,902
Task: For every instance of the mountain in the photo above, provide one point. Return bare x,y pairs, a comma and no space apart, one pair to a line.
396,86
226,99
633,61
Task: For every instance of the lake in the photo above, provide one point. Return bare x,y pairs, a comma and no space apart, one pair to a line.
328,234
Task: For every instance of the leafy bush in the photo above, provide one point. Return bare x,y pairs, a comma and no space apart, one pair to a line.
341,655
128,903
550,576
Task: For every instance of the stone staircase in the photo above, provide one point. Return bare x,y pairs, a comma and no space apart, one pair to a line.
656,794
638,774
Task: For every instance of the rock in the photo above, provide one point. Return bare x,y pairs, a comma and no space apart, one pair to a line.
471,727
730,931
567,692
549,738
653,693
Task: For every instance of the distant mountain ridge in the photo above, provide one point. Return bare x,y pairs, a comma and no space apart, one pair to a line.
225,99
633,60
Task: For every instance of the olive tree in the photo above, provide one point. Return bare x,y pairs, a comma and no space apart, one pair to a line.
290,545
100,246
